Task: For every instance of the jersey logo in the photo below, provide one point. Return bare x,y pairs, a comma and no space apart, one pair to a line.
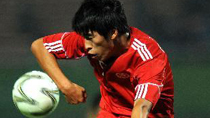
142,50
122,75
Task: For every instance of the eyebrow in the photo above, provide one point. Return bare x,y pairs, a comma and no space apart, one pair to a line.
88,36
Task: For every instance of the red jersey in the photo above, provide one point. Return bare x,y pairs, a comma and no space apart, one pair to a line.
141,72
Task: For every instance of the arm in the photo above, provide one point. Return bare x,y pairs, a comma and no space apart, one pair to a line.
141,108
74,93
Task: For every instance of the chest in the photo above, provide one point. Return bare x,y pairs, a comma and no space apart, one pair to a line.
118,76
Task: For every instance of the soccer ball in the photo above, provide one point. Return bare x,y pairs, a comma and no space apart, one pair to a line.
35,94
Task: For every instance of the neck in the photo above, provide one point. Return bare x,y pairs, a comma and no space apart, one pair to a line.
122,45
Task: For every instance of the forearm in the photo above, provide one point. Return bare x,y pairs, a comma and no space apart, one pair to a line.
141,109
139,112
48,63
74,93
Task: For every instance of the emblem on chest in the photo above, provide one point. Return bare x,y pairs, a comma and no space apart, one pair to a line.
122,75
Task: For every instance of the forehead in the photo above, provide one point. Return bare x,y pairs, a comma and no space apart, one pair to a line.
92,33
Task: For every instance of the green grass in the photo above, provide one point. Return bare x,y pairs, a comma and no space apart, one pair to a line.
192,90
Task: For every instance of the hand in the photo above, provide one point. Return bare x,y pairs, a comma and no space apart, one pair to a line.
74,93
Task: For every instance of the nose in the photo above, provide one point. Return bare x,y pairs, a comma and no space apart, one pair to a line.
88,46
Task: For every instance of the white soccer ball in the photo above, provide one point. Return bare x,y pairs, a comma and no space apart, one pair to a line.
35,94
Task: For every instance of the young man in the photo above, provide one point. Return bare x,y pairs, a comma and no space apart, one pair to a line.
133,71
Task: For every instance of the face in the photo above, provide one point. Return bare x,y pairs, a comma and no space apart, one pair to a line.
98,47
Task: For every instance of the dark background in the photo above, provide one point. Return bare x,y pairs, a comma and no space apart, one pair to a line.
181,27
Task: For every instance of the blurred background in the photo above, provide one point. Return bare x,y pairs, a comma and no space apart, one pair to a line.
182,28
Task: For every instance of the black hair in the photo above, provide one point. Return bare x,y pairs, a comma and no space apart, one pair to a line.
102,16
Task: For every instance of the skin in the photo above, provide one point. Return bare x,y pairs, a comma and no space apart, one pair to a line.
141,108
74,93
104,49
99,48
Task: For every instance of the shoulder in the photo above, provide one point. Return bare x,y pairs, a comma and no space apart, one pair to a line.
62,36
65,45
145,46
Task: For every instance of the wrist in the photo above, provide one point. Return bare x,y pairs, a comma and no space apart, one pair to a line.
64,85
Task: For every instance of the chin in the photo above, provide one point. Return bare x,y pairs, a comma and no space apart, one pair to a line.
102,59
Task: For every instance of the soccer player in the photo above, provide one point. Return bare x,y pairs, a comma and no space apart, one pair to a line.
133,71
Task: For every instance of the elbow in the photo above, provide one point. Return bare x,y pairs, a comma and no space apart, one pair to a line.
33,46
36,45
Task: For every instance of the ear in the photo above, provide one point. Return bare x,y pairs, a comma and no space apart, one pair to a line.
114,34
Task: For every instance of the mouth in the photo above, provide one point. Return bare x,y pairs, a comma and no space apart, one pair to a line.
93,56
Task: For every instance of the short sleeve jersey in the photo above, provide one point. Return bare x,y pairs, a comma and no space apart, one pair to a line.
142,72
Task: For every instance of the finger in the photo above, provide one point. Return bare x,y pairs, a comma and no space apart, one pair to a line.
83,89
73,103
84,96
69,101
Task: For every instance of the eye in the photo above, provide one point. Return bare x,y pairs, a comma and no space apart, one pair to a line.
88,37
